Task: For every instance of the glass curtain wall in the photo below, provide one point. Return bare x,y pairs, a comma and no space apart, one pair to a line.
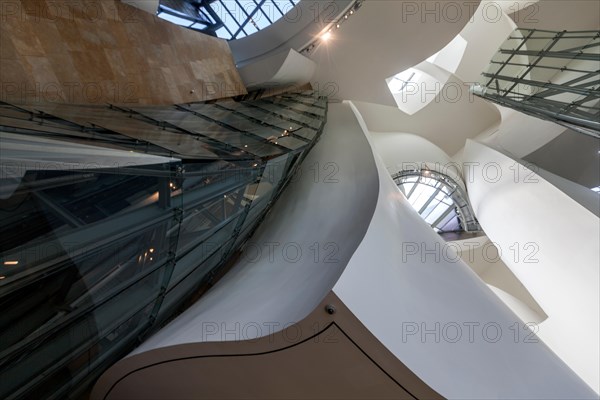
94,256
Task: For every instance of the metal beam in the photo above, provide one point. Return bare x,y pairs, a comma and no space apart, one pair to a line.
553,54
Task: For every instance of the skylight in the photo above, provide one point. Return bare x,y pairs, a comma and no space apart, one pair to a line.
227,19
438,200
400,81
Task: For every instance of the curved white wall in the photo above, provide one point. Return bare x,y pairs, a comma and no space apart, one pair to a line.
463,347
551,243
398,294
446,124
381,39
401,150
297,254
282,69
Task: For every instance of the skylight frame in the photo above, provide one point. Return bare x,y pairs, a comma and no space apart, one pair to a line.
230,19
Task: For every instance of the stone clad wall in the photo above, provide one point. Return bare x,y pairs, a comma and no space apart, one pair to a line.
98,52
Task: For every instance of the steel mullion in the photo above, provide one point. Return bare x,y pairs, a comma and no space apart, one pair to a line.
441,217
545,85
541,66
512,55
412,190
248,19
284,117
220,146
258,121
307,114
539,112
536,62
263,11
560,104
218,21
579,48
576,80
234,20
430,199
244,11
277,7
236,130
554,54
552,37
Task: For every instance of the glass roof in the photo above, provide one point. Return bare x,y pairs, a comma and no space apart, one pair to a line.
227,19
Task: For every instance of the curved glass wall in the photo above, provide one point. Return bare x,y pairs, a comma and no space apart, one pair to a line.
227,19
112,218
438,199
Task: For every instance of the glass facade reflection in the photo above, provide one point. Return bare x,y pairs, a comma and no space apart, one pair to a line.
112,218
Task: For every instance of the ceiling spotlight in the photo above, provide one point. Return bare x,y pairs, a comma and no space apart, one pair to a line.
338,26
326,36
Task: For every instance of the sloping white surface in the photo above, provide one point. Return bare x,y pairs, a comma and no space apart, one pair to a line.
551,243
283,69
394,290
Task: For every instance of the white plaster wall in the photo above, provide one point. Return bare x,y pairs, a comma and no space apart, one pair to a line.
282,69
559,251
402,151
445,124
391,291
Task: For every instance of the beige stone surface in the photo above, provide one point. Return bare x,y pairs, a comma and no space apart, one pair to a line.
104,51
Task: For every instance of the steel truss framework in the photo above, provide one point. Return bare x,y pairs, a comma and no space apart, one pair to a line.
551,75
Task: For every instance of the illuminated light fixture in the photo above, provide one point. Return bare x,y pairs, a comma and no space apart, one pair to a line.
346,16
351,12
245,145
11,263
338,26
151,250
2,277
326,36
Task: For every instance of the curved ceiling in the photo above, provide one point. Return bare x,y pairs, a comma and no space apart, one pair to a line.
381,39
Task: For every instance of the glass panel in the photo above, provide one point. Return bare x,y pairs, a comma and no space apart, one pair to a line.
176,20
95,256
